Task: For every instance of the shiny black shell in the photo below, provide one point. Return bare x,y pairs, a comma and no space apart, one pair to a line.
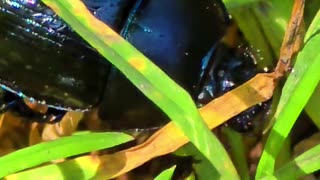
44,60
41,58
176,35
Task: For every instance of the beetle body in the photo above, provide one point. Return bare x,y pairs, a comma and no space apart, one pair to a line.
43,60
176,35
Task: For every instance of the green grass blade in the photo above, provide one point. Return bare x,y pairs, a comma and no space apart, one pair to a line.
201,166
57,149
166,174
295,94
304,164
312,108
147,77
237,151
314,27
233,4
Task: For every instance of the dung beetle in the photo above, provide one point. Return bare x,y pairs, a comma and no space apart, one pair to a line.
43,61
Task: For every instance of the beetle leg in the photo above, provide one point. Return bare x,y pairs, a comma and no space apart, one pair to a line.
17,105
19,108
53,115
22,109
8,100
208,86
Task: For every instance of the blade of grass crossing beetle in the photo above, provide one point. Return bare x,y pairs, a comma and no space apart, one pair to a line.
154,83
295,94
162,142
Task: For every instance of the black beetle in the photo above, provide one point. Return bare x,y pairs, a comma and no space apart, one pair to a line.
44,61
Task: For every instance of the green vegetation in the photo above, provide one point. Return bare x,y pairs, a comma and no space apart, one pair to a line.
263,24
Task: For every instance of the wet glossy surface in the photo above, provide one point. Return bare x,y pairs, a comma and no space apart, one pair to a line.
175,35
227,68
43,59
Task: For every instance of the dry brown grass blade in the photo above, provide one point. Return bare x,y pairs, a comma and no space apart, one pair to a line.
257,90
291,44
34,134
13,133
292,40
65,127
170,138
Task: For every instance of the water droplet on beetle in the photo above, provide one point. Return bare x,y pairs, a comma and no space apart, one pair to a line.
221,73
147,30
201,96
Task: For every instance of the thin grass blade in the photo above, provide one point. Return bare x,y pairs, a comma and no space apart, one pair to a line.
166,174
295,94
312,108
58,149
306,163
258,89
147,77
